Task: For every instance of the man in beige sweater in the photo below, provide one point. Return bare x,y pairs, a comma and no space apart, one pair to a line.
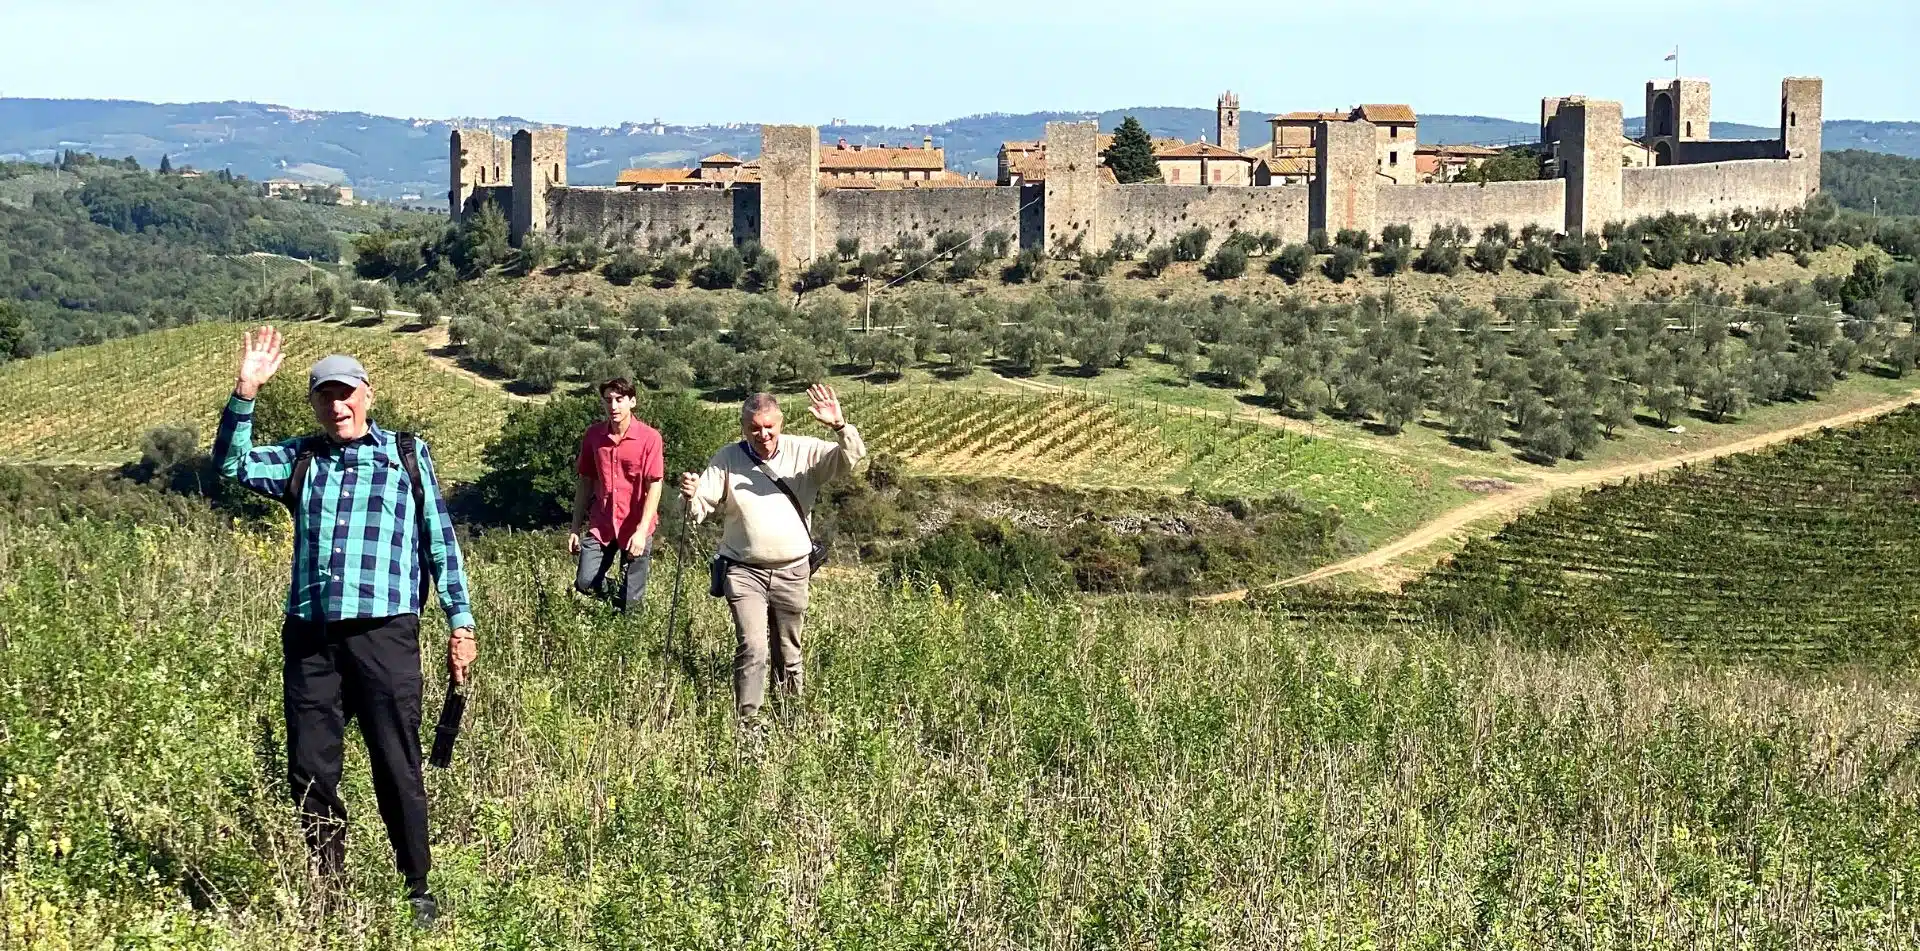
766,539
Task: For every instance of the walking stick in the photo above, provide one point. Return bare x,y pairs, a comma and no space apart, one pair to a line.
679,571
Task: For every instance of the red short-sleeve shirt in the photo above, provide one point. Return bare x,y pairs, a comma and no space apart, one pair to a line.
622,468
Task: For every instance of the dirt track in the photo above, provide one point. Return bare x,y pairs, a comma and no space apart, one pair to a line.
1511,501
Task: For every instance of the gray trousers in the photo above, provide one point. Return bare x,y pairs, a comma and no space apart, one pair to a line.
596,560
769,607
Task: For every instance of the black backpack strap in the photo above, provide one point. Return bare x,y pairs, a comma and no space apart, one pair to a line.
291,495
408,445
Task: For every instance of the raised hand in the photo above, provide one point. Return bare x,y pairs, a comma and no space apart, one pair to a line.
826,406
259,359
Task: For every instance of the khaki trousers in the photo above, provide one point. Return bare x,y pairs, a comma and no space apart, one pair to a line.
769,607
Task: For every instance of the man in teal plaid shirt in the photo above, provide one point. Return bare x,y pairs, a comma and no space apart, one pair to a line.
352,627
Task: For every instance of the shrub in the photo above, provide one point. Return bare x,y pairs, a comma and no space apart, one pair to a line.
1490,255
1535,257
1396,234
1577,253
762,272
721,270
846,249
1095,266
625,267
1227,263
996,244
1317,240
1345,263
964,265
975,554
1291,263
1625,255
1157,261
1355,238
1028,266
1191,245
821,272
947,242
1393,259
671,268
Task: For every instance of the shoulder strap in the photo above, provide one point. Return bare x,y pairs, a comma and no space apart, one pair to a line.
408,445
782,483
297,479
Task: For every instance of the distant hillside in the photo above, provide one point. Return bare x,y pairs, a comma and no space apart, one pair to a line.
393,158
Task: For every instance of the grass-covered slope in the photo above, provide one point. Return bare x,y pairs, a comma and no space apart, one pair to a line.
1809,553
990,773
92,405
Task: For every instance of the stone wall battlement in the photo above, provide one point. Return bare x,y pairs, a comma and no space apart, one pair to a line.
797,216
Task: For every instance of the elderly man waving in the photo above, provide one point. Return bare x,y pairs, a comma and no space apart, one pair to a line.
765,487
370,529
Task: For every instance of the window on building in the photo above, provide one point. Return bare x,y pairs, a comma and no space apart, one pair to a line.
1393,158
1689,128
1216,176
1793,119
1173,174
556,171
1393,132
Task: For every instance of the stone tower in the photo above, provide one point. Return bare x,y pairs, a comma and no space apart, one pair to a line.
539,165
475,158
1678,110
1226,111
1800,98
789,192
1072,206
1346,174
1590,131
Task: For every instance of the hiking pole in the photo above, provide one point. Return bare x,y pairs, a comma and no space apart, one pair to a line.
679,572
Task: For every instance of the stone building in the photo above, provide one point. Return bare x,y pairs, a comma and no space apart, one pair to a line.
1058,194
1445,163
1204,164
1226,121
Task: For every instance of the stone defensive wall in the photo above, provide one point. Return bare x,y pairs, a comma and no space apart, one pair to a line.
1715,188
878,216
1156,212
1519,204
619,216
798,217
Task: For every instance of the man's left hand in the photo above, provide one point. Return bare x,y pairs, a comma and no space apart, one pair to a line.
826,406
461,651
637,545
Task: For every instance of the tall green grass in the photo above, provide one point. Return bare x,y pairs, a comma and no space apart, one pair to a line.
998,773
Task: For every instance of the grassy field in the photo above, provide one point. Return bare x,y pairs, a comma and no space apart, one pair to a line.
993,773
1803,554
91,405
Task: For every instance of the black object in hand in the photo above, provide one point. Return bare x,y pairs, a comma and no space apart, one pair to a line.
449,728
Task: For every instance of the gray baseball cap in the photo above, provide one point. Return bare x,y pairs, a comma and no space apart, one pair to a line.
336,368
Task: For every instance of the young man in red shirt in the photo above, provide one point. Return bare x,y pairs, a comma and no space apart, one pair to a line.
617,500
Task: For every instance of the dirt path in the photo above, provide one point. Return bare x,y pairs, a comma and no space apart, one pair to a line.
1513,500
438,348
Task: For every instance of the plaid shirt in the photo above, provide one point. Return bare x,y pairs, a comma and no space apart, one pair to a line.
354,553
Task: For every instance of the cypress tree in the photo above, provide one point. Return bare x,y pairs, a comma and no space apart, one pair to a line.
1131,154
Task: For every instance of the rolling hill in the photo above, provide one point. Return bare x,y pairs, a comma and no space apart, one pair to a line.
405,159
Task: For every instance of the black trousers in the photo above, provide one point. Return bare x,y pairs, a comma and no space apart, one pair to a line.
369,669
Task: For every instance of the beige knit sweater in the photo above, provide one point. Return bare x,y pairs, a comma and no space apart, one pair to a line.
761,527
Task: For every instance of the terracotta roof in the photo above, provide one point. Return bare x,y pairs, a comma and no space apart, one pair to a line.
1289,166
1022,146
1386,112
883,159
1464,151
1425,163
720,158
1311,117
1033,168
654,176
868,184
1201,150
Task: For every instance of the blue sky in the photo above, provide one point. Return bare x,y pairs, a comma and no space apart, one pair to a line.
898,63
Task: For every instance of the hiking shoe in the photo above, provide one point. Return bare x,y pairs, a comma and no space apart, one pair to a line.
426,911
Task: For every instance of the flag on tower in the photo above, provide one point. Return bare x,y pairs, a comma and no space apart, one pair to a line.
1670,57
